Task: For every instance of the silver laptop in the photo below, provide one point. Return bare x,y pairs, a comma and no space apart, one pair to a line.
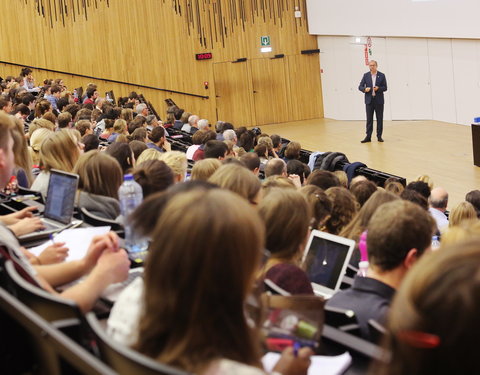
325,261
60,202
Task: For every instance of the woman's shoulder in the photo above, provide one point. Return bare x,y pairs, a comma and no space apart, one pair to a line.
290,277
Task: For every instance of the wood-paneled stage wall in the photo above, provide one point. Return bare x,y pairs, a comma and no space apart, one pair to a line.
154,42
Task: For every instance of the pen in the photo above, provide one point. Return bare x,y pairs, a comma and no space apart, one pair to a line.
52,238
296,348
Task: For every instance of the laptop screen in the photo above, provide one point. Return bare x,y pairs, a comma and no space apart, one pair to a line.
326,258
62,189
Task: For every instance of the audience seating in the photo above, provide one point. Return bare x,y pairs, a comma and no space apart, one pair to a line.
55,352
98,221
123,359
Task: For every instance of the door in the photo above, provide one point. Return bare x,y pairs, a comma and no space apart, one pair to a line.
233,93
270,91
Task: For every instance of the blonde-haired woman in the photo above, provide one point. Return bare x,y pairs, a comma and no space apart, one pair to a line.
462,212
100,176
59,150
203,169
38,136
177,161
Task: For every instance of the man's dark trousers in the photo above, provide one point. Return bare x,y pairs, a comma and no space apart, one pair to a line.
376,107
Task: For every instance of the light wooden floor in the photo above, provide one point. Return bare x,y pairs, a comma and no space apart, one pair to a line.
411,148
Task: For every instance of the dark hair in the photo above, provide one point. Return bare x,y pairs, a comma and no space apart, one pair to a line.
323,179
215,149
139,135
394,229
296,167
415,197
90,91
474,198
23,109
62,103
178,113
363,190
157,134
250,160
73,109
55,89
276,140
91,142
420,187
28,98
137,147
246,141
153,176
123,153
25,72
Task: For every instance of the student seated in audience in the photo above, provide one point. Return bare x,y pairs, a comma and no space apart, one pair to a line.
297,168
197,140
38,124
217,270
204,169
158,140
199,153
320,206
276,167
119,127
363,190
124,155
292,151
286,215
60,150
463,211
342,177
399,232
177,161
438,206
344,208
104,263
38,136
153,176
215,149
137,147
433,326
474,198
252,162
64,119
359,223
91,142
276,181
100,176
240,180
139,134
84,127
323,179
23,161
415,197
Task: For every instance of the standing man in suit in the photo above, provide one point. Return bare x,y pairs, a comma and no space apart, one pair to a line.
373,84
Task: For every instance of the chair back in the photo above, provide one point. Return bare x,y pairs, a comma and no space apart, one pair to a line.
123,359
98,221
45,304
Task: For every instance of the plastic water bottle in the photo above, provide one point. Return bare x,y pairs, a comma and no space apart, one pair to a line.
362,268
435,243
130,195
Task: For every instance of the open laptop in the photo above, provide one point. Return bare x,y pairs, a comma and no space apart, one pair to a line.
60,202
325,261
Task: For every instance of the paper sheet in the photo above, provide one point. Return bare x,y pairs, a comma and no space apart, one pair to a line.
77,240
325,365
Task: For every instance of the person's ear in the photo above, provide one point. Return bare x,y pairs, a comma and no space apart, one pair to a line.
411,258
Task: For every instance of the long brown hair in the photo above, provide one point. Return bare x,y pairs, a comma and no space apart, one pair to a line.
200,269
99,174
60,150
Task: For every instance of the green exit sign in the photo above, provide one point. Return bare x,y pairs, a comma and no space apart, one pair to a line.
265,41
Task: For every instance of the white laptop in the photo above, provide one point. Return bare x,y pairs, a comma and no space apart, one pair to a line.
325,261
60,202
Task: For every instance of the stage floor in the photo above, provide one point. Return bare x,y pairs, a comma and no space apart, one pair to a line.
411,148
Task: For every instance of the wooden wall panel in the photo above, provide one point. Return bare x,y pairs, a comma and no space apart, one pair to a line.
150,42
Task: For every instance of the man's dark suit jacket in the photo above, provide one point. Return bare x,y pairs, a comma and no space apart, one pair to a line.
381,83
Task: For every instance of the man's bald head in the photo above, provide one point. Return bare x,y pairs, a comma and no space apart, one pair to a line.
439,198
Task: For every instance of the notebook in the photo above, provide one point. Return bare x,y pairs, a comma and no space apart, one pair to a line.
325,261
59,205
